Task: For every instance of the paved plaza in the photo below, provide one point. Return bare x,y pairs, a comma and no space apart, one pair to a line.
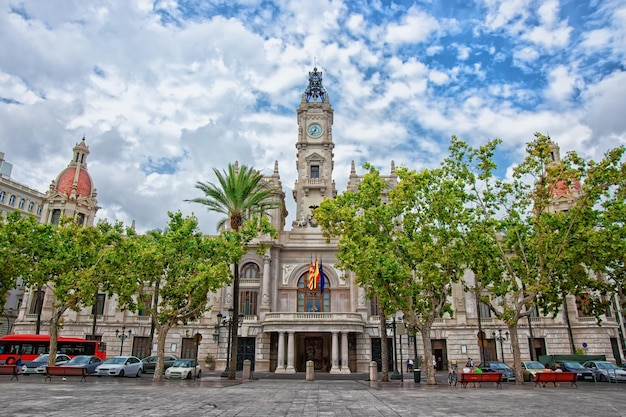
268,396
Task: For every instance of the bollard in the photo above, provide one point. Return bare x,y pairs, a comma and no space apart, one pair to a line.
247,366
373,371
310,370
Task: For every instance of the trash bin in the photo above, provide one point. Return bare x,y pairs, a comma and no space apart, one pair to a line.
417,375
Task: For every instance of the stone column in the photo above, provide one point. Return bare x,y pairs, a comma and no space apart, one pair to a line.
345,368
336,368
265,292
280,365
290,353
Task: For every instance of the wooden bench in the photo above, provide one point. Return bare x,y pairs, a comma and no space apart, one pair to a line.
544,377
12,370
80,371
466,378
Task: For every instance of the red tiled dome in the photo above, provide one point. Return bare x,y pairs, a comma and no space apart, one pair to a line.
66,179
563,188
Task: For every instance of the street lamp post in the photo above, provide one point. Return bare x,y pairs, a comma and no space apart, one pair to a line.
412,337
501,339
123,336
223,321
395,374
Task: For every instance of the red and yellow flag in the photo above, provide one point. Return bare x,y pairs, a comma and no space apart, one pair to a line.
314,275
311,284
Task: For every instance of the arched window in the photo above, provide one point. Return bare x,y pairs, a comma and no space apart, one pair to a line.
31,205
12,200
21,204
2,196
313,301
250,271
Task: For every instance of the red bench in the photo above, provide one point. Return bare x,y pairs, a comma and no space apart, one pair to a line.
80,371
12,370
544,377
466,378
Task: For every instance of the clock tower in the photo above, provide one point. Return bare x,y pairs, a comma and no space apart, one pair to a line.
315,151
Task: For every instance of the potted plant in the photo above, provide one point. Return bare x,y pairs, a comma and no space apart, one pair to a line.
210,362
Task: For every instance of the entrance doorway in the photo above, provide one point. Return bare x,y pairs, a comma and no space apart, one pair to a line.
616,353
377,353
314,347
314,351
440,352
142,346
245,350
539,347
489,350
188,348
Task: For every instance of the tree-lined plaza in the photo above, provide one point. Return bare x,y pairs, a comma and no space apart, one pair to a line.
407,245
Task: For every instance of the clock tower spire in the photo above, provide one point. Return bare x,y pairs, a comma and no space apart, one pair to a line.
315,151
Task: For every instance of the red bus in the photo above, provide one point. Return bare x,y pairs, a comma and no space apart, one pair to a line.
33,345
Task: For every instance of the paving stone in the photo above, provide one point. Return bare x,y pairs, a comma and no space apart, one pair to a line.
212,396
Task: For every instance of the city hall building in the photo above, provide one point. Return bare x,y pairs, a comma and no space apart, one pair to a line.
284,322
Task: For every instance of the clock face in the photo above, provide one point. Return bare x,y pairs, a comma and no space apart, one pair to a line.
314,130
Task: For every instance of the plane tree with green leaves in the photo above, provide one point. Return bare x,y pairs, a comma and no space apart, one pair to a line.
522,250
170,273
17,237
364,224
407,249
245,199
65,259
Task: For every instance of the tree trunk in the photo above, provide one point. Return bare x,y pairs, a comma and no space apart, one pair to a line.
428,353
384,351
517,354
158,369
232,370
569,326
54,333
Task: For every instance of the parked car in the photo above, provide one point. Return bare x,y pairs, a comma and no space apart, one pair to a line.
90,362
606,371
508,373
183,369
38,366
121,366
530,368
149,363
584,374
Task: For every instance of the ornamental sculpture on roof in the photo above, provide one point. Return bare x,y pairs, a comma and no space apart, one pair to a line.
315,90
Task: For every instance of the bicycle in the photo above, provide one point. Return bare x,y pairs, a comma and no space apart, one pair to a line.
453,376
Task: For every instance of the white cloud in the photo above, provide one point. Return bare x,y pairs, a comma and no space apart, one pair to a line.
561,84
415,27
605,107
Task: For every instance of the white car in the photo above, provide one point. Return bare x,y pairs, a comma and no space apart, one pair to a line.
38,366
183,369
121,366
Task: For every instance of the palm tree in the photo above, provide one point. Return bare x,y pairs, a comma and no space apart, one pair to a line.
239,194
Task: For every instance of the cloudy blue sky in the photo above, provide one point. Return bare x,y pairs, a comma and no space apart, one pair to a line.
165,91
